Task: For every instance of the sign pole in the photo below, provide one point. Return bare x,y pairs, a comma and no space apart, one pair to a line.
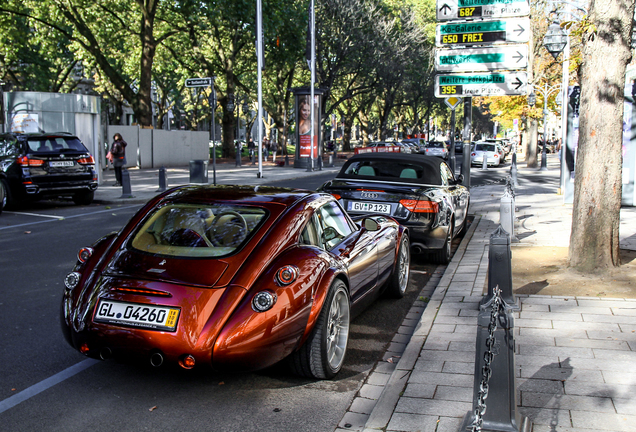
213,133
452,141
468,120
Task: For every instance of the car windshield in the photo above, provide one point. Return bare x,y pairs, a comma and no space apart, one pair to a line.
187,230
485,147
55,144
392,170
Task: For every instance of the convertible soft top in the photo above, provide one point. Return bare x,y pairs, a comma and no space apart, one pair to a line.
407,168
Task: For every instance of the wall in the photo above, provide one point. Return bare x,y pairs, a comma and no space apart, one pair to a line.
153,148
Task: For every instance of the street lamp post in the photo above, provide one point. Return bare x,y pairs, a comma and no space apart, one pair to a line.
555,41
546,91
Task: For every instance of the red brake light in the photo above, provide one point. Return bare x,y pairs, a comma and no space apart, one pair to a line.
25,161
336,196
87,160
420,206
473,154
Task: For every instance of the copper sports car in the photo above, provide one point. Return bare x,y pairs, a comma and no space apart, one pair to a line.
236,277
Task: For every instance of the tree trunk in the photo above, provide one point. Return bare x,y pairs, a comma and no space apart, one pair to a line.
594,240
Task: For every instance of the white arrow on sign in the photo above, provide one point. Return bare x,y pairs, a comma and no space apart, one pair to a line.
198,82
484,84
452,10
506,57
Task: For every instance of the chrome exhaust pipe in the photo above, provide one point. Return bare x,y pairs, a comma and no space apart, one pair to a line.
105,353
156,359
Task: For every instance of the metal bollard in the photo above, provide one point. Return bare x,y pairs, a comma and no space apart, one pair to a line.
500,269
331,160
126,191
163,179
494,388
513,170
507,213
484,163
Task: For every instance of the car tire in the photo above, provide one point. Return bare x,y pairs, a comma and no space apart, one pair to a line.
443,255
84,198
3,196
323,353
7,200
399,279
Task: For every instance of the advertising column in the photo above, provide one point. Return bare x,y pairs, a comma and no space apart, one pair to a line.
303,127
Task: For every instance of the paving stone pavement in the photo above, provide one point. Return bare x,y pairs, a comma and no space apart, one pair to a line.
574,356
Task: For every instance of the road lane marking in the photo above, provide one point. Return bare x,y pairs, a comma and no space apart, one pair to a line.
59,218
36,214
35,389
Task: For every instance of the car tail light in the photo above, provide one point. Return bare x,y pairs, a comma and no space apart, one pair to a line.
86,160
473,154
71,280
420,206
84,254
25,161
187,361
286,275
336,196
263,301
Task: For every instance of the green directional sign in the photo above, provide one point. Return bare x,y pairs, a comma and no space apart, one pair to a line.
506,57
469,9
467,33
487,84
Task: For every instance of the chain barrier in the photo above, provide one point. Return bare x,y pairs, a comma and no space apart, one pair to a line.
489,356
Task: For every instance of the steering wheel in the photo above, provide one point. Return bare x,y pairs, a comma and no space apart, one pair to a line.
235,226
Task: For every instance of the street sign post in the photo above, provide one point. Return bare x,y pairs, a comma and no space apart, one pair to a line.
467,33
198,82
467,9
485,84
507,57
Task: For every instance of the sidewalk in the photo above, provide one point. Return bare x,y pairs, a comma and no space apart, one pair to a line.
145,182
574,357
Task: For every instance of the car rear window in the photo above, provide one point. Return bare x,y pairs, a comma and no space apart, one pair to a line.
391,170
436,144
485,147
187,230
55,144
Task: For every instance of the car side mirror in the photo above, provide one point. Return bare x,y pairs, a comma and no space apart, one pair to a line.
460,178
329,234
370,224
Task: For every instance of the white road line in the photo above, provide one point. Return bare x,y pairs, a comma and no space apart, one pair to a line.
58,218
36,214
45,385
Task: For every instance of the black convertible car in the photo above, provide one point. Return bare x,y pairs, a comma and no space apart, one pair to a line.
420,192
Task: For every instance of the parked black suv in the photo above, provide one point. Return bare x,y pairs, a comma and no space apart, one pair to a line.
38,165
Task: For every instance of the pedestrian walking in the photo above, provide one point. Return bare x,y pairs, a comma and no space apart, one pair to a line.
251,147
117,156
273,146
239,149
265,148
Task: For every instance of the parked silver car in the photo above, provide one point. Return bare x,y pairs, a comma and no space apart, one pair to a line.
436,148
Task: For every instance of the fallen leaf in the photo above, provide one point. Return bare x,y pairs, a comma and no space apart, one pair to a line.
153,408
221,383
12,389
27,232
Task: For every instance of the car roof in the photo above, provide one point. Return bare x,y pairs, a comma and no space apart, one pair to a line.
431,164
262,195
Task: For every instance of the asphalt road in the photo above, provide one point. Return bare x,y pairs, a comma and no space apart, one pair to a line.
45,385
